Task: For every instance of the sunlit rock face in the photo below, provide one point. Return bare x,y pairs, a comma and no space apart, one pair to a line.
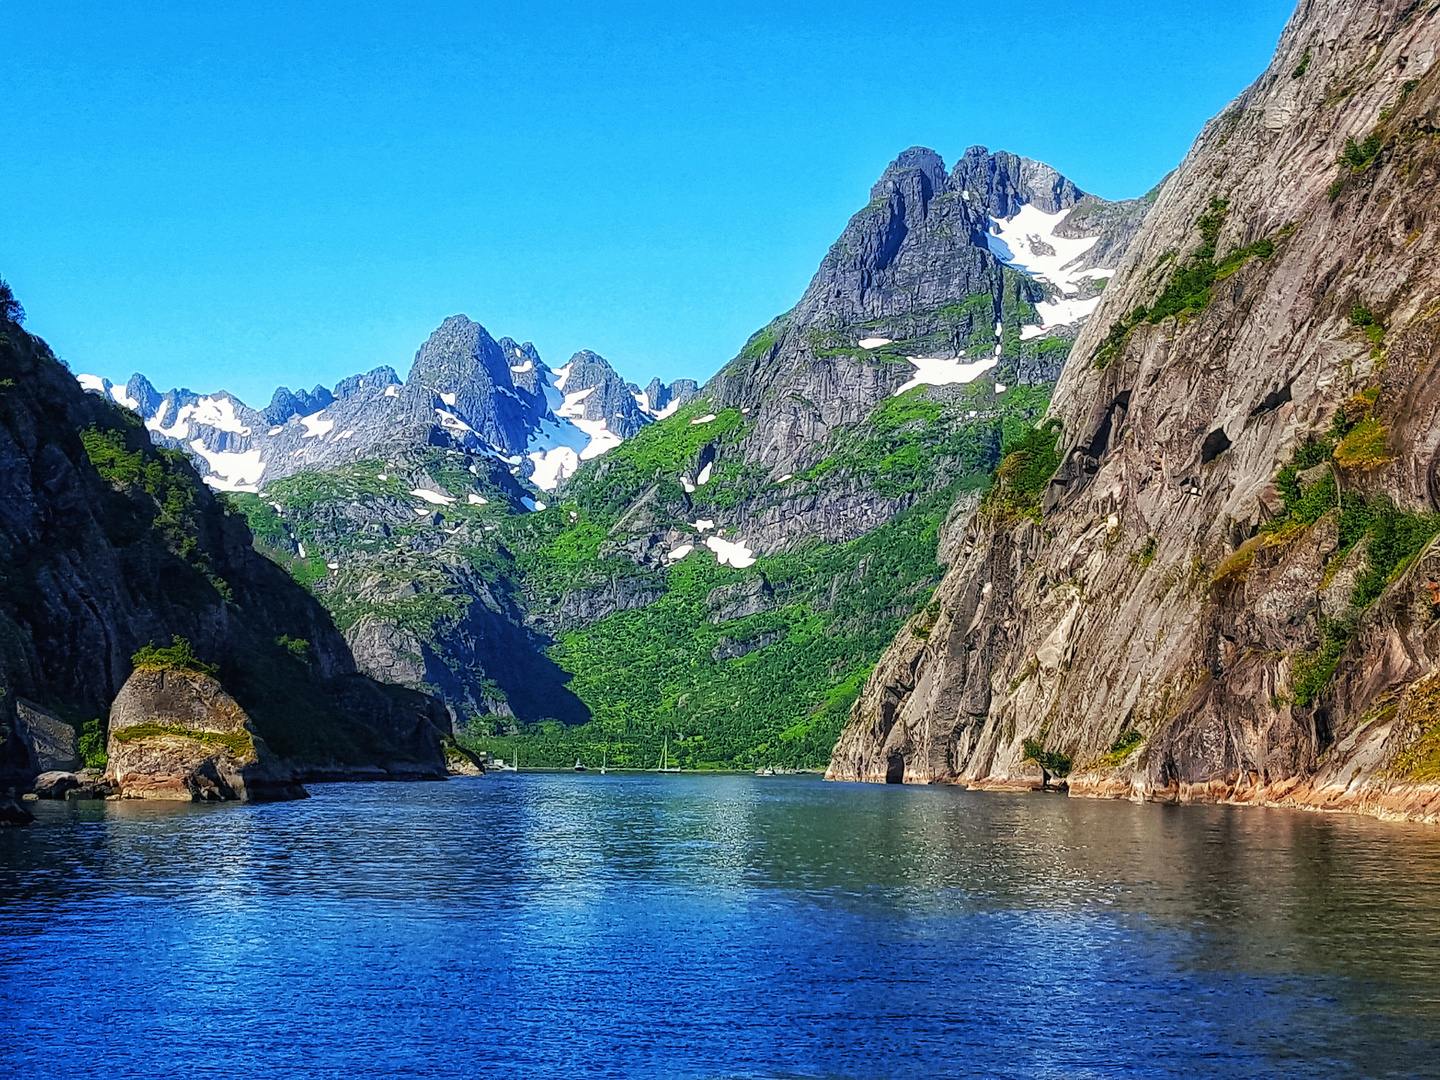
178,736
1179,615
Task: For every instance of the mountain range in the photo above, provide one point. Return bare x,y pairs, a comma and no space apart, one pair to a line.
497,399
497,533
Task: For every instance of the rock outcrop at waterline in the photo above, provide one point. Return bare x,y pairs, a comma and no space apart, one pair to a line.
1229,589
177,735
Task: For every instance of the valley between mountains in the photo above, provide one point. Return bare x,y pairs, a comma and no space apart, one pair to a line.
581,568
1141,495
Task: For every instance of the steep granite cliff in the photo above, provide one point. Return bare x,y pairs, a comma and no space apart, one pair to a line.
1214,575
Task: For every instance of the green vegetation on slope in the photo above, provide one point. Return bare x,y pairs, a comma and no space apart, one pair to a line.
1030,460
1391,537
179,656
770,683
123,456
920,439
1190,287
664,673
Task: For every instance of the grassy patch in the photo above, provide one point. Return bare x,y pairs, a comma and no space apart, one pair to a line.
765,339
1145,555
1313,670
1362,318
239,744
1419,761
1364,446
1127,743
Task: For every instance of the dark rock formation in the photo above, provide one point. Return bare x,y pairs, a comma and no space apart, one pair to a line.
86,784
92,567
12,813
49,741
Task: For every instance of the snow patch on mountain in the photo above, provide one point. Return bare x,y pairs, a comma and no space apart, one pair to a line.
935,371
231,471
315,427
730,553
1027,241
219,413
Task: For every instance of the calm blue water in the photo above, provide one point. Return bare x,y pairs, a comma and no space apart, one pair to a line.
677,926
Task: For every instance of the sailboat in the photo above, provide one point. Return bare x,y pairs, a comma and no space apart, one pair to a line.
604,760
664,755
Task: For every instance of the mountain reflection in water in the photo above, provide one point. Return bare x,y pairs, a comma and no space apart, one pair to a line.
687,926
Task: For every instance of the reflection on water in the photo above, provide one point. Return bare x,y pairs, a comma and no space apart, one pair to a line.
562,925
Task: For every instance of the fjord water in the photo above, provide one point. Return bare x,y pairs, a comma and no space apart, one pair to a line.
540,925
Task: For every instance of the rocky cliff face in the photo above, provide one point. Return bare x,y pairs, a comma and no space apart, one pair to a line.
108,543
1227,590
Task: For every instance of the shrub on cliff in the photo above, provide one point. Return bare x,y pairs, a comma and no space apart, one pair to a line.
92,745
1050,761
179,656
1025,471
10,308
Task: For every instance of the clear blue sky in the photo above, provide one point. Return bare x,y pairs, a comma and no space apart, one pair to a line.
240,195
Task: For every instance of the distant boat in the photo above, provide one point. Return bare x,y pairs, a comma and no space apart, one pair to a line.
579,767
664,756
604,760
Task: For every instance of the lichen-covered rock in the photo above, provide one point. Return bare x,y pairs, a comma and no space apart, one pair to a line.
1171,623
177,735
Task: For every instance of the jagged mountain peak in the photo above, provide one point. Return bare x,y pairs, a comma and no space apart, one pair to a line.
1004,183
919,163
464,390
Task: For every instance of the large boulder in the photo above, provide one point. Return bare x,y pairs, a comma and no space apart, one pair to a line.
55,784
177,735
50,741
86,784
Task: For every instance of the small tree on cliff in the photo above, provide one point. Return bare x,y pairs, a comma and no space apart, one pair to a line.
10,307
1050,761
